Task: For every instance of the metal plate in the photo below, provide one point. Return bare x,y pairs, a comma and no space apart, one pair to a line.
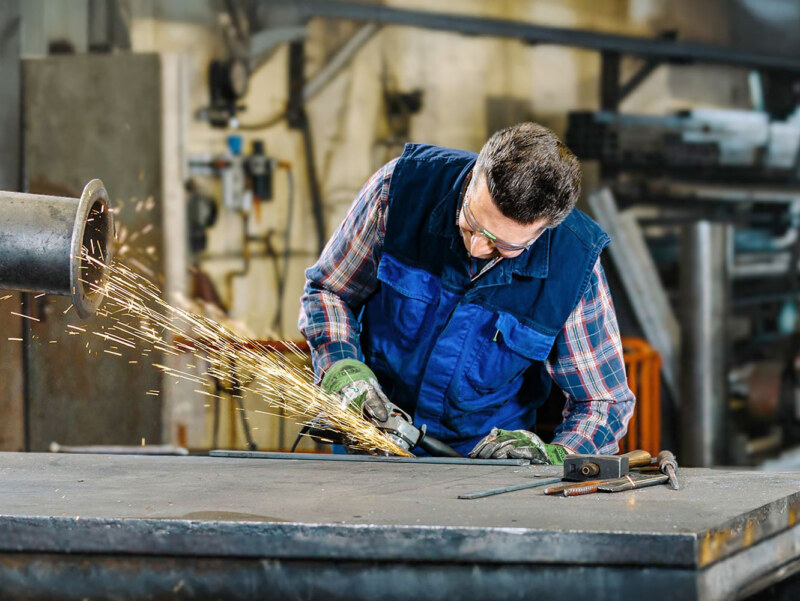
380,511
94,116
314,529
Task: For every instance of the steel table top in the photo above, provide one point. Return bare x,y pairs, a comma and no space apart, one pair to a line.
734,523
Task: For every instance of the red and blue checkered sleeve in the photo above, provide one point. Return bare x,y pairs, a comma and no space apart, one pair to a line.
345,275
588,366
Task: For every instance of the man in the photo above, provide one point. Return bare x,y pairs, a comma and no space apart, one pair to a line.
459,287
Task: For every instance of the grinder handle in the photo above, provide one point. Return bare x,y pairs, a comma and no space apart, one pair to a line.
638,458
436,447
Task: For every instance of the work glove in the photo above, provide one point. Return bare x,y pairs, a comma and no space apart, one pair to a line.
518,444
358,389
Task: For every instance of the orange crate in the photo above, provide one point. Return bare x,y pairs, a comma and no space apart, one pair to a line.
643,366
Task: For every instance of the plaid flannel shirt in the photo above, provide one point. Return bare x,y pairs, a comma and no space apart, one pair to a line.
586,361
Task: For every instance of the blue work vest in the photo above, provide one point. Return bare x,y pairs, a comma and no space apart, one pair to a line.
465,356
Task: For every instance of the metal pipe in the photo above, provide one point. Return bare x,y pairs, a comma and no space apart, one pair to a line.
339,60
704,308
41,242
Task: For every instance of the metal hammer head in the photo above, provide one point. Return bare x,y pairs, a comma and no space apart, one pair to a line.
581,468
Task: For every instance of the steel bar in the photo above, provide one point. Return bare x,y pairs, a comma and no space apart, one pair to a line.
504,489
41,238
665,50
369,458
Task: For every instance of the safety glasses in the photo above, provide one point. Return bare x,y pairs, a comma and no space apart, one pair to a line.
477,228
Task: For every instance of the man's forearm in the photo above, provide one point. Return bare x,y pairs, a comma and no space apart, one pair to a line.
330,328
589,367
345,276
594,427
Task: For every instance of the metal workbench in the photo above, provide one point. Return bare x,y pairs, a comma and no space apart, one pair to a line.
129,527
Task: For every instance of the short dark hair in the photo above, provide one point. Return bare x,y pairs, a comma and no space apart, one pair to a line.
530,173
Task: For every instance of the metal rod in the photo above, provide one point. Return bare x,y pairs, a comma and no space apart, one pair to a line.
666,50
370,458
565,486
499,491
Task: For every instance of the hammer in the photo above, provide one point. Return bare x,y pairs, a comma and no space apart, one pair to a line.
582,468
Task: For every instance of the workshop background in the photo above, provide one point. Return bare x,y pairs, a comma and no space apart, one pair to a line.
233,135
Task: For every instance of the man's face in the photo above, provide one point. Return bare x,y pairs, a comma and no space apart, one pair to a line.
487,233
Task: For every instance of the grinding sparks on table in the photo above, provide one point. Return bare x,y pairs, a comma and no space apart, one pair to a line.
272,376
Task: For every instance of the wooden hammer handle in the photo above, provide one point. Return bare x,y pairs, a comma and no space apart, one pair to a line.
638,458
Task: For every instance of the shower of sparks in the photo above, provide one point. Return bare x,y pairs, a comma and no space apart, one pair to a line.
231,359
22,315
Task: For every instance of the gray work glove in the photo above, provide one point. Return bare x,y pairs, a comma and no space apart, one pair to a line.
518,444
358,388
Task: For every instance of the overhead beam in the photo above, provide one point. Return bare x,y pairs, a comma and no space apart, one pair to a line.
646,48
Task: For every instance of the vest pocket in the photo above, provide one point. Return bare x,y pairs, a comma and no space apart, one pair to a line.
408,297
502,352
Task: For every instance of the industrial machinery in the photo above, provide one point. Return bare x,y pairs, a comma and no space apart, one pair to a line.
57,245
246,179
227,82
714,195
709,145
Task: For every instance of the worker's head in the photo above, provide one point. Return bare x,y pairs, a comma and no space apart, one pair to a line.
525,181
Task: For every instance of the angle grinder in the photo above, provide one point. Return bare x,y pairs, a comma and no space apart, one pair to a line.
399,429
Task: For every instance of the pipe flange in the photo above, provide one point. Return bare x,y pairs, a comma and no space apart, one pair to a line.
94,230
